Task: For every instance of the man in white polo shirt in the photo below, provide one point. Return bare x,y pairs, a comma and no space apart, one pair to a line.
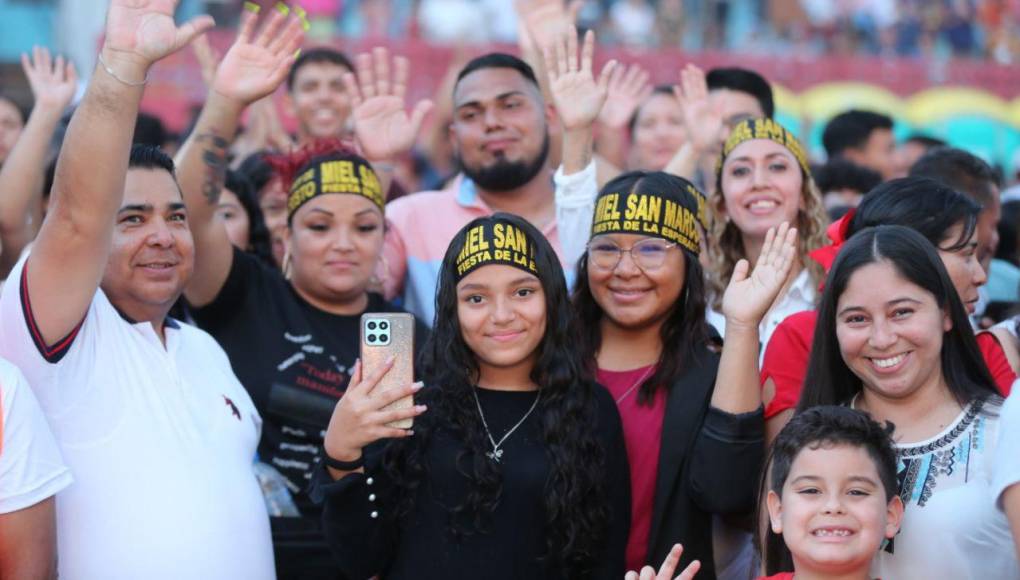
158,432
31,473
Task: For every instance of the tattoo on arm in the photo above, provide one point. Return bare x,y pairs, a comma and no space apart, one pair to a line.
214,155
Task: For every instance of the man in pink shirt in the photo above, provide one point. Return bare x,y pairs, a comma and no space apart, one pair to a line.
500,135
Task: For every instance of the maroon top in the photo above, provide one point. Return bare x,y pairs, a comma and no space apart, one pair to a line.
642,433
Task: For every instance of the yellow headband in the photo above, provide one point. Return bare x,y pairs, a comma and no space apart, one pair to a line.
671,217
494,241
335,176
764,129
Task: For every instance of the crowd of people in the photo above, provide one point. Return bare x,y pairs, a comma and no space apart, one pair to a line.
908,28
636,331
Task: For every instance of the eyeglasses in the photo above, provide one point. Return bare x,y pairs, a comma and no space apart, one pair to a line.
648,254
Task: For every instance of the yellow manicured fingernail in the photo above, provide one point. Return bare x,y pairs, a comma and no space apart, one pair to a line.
252,7
283,8
297,53
303,17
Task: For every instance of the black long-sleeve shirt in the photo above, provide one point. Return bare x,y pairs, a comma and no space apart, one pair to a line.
366,543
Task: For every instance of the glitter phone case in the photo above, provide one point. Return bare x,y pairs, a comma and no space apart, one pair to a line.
386,334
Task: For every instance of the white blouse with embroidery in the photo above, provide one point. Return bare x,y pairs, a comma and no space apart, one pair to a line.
951,527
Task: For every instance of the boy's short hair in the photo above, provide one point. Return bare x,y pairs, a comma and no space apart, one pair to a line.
821,426
851,130
744,81
321,54
834,426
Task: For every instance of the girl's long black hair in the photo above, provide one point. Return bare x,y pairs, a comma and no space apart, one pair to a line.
684,328
829,381
575,496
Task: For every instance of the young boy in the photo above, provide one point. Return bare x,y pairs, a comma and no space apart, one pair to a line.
832,496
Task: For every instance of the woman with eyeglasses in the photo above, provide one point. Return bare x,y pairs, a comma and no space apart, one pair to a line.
692,419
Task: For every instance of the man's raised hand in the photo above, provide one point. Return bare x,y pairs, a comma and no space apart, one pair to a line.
382,126
141,32
257,63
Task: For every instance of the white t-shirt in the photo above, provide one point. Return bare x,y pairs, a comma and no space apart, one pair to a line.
161,441
1007,454
31,469
951,527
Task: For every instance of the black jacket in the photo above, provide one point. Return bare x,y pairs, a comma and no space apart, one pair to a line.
709,463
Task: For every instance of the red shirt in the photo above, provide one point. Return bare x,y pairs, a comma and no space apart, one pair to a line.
787,353
780,576
642,433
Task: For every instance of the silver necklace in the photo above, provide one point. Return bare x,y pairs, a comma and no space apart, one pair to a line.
635,385
497,454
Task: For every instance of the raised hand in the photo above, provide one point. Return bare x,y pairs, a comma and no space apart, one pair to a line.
140,32
255,65
749,297
208,58
576,94
667,569
703,122
53,82
359,417
628,88
543,22
381,124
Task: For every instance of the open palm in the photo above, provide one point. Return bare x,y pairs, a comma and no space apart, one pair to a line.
576,94
53,82
703,122
255,65
144,30
382,125
749,297
627,90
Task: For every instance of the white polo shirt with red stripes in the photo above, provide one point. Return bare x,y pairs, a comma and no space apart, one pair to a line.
160,440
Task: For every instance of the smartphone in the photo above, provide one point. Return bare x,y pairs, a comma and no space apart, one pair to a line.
386,334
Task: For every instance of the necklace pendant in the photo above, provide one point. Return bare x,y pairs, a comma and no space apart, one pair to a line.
495,455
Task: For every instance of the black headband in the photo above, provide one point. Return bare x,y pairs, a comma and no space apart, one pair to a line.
670,215
327,175
495,241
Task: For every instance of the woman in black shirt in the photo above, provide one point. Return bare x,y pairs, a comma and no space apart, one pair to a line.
516,467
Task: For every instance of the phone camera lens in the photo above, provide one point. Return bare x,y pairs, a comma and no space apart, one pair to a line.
383,325
371,338
383,338
371,325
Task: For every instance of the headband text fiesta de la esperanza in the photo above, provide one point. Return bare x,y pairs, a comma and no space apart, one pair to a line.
496,243
648,215
335,176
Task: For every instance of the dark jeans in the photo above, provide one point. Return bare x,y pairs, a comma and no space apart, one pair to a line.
300,550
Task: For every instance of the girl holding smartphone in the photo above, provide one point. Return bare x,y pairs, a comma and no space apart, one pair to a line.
516,467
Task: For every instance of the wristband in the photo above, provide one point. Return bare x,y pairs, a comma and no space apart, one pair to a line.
117,77
342,465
